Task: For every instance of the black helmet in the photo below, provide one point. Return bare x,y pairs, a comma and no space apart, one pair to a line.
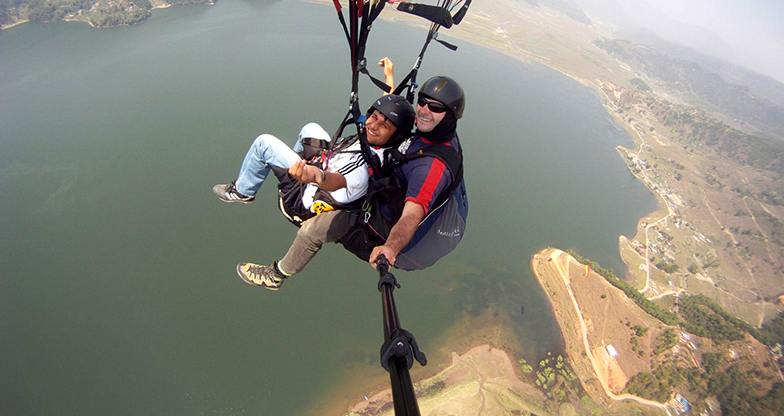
399,111
446,91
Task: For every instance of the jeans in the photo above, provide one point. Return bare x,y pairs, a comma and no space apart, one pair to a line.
266,151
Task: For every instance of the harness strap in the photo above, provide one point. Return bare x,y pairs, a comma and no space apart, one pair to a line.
458,17
438,16
339,9
377,82
362,14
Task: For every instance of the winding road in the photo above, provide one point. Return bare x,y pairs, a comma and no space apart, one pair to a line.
555,258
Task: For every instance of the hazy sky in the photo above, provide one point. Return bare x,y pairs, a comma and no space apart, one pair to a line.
753,29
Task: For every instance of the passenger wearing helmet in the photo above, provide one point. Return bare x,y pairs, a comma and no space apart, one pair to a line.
315,177
340,171
381,127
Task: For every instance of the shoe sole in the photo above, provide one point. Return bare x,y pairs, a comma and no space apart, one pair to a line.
252,283
235,200
218,191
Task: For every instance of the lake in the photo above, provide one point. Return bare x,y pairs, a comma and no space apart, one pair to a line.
118,293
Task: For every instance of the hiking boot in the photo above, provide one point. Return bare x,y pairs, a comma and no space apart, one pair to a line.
228,193
260,275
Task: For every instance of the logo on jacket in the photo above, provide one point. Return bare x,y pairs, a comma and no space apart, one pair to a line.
403,148
453,233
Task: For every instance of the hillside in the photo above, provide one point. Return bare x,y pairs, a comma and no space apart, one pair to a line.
96,13
759,85
698,87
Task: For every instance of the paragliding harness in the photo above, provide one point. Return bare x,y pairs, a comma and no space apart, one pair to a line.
399,349
290,192
437,234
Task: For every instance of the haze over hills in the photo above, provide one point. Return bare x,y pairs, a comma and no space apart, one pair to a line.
735,32
760,85
686,59
630,15
699,87
567,7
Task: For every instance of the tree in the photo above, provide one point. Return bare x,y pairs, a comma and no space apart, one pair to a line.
773,331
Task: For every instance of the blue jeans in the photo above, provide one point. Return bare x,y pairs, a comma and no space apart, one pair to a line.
266,151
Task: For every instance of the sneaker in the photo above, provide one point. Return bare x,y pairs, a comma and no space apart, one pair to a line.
228,193
260,275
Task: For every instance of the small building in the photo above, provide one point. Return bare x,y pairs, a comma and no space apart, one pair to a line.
776,351
681,405
611,350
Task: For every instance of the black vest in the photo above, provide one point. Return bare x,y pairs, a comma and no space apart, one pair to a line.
437,234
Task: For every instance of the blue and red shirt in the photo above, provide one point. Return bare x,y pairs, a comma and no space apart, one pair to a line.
424,178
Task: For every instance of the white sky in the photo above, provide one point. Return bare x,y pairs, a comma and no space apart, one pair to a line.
754,29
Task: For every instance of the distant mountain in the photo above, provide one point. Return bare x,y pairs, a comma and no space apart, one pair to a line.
699,86
759,85
567,7
631,15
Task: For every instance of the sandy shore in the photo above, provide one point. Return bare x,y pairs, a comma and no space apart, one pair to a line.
486,380
481,381
21,22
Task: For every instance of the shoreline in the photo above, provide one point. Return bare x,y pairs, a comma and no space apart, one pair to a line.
463,338
87,21
482,380
21,22
474,381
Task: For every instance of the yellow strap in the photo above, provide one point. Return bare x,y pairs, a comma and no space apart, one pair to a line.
321,207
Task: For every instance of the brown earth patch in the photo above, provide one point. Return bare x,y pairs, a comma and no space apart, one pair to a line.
611,371
481,381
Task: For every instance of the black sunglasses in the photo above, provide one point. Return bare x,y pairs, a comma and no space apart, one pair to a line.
435,106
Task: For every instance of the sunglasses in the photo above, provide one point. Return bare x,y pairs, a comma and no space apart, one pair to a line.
435,106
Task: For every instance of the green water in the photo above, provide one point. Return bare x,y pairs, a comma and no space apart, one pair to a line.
118,294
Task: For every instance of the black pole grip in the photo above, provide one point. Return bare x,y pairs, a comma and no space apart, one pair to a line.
382,265
396,353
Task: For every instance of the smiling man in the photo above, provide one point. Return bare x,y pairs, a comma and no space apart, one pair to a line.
440,104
